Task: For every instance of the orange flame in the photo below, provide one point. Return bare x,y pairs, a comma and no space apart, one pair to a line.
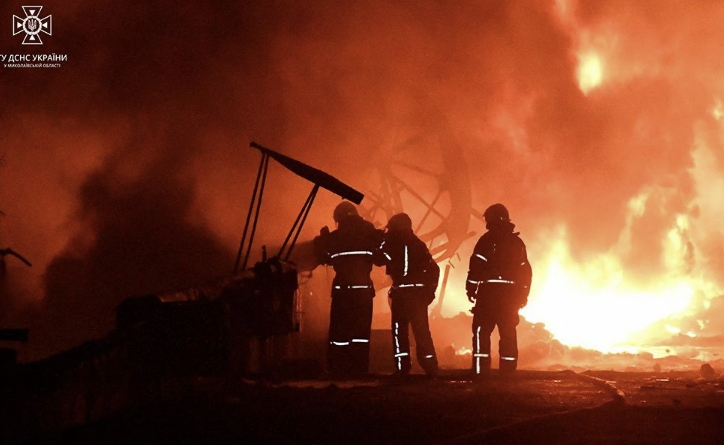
591,305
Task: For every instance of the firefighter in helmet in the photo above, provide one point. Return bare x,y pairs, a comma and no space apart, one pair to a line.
349,249
414,276
498,283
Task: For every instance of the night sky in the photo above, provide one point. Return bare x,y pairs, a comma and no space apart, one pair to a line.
127,170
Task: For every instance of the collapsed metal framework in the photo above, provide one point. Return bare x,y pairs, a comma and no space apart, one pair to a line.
431,155
164,341
317,177
8,356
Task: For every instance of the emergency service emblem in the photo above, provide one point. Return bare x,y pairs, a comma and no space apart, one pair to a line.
32,25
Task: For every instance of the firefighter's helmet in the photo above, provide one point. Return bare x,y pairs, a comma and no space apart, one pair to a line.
343,210
399,222
496,212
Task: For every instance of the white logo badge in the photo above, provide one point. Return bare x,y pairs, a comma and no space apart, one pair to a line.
32,25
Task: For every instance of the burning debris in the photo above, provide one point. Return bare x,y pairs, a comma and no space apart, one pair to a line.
536,106
598,123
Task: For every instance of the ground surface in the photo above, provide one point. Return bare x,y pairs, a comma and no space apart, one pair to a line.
534,407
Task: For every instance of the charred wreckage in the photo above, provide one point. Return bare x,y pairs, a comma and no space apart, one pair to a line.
228,327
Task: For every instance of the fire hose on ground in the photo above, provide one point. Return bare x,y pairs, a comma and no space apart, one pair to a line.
503,433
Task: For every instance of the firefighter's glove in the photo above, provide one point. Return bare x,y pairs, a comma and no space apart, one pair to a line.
471,296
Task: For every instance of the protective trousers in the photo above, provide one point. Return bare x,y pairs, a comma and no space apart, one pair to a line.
410,309
485,318
350,325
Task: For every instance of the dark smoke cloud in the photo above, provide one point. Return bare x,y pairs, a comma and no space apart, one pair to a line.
134,239
128,169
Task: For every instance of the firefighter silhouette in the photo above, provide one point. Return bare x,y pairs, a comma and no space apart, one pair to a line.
414,276
349,249
498,284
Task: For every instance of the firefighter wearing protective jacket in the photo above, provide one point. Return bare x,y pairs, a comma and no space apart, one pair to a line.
414,276
349,250
498,284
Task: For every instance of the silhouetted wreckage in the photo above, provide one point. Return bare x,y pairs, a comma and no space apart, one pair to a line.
10,251
162,342
8,356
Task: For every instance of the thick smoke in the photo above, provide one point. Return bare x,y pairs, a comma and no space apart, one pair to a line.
128,171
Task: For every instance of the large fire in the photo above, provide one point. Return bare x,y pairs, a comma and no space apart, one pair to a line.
598,303
599,124
591,305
